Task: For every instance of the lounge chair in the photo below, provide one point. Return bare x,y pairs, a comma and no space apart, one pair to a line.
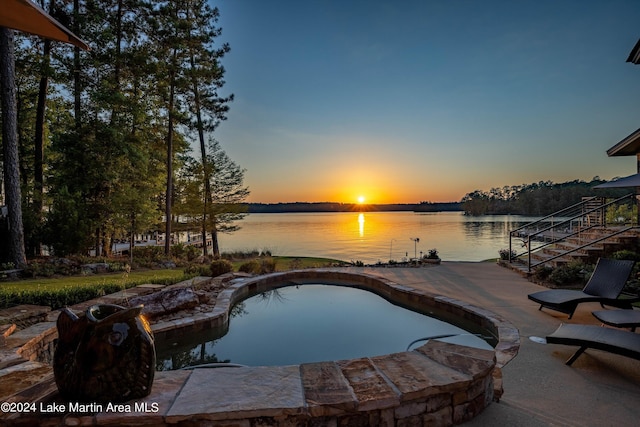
616,341
604,286
619,318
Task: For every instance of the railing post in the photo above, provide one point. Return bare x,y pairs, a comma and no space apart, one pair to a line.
510,240
529,252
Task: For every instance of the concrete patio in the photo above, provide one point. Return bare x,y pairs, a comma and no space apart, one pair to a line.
599,389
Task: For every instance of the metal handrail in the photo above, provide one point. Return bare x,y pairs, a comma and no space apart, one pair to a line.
556,213
583,246
553,226
558,240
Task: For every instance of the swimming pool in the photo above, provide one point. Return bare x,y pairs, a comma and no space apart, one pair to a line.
437,382
306,322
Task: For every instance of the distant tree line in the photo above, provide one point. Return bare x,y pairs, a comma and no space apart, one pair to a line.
350,207
537,199
105,137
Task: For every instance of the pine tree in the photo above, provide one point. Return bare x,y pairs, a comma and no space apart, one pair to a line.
114,143
206,77
227,196
10,154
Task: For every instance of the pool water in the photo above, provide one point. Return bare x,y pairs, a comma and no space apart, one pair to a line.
309,323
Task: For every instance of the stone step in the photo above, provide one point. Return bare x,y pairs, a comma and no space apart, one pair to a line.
571,246
16,378
550,253
24,315
6,330
31,342
10,357
557,262
563,257
23,336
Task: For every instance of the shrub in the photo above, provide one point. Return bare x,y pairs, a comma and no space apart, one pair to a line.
626,254
268,265
573,273
48,267
219,267
118,266
261,266
185,252
295,264
7,266
54,298
432,254
148,254
250,267
504,254
542,273
237,255
58,298
198,270
621,214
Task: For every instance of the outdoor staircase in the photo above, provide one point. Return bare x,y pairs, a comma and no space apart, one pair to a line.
579,232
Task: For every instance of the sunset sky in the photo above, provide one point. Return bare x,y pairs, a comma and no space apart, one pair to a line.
416,100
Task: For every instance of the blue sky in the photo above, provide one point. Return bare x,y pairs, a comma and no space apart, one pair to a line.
405,101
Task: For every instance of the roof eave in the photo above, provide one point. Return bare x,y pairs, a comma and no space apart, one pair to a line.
629,146
634,56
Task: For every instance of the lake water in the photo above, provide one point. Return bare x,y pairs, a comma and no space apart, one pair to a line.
371,237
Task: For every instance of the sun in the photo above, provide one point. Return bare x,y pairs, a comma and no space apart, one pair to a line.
361,199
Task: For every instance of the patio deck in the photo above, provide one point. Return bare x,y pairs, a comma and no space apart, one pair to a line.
599,389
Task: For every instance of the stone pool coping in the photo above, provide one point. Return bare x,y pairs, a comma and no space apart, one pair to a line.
507,336
439,383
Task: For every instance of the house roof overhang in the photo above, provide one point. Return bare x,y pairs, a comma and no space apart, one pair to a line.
634,55
28,17
630,146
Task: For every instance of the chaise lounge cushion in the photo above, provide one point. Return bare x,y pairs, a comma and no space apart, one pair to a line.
616,341
604,286
619,318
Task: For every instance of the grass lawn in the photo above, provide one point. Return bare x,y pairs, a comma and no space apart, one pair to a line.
68,290
149,276
285,263
138,276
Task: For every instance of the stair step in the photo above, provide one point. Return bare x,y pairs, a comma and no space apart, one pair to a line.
550,253
22,337
563,259
16,378
571,246
581,253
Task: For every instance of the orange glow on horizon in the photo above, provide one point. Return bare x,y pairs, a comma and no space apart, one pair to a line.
359,186
358,194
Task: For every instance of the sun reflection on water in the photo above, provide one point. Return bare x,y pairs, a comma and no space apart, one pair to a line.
361,224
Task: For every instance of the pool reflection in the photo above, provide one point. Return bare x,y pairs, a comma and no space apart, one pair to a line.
309,323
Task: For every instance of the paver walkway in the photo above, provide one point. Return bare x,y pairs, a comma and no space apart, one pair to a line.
600,389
